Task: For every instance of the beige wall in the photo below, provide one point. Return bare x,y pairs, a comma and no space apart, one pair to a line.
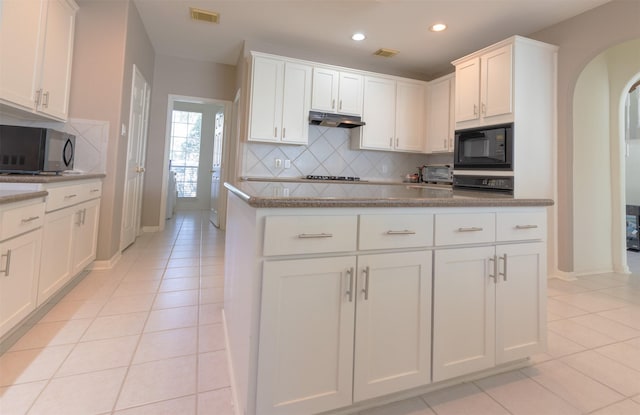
580,39
176,76
109,38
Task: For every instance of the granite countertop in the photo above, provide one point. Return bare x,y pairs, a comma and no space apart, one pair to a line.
11,196
283,194
47,178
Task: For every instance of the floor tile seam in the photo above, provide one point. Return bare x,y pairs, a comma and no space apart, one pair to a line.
622,299
135,350
616,321
607,406
587,347
597,380
613,321
48,381
550,390
195,395
473,382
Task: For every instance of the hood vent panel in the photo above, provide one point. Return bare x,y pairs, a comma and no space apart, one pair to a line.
325,119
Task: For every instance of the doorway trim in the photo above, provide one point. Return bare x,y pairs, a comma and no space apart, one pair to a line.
167,142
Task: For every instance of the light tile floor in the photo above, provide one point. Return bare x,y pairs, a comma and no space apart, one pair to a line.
146,338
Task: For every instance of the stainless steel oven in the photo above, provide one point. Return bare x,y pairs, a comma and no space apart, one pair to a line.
486,148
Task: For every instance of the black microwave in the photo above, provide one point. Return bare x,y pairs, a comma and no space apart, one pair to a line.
486,148
33,150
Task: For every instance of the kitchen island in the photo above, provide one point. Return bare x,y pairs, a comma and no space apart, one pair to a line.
340,297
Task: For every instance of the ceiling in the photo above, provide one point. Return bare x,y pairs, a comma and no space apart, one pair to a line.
320,30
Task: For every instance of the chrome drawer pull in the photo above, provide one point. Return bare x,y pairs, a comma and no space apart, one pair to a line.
95,190
315,235
526,226
31,219
365,290
350,290
471,229
70,196
7,266
404,232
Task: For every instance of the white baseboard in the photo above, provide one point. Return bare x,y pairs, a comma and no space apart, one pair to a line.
107,264
562,275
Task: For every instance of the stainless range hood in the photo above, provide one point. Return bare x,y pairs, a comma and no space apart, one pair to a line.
326,119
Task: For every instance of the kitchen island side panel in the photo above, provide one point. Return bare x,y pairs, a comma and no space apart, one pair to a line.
242,287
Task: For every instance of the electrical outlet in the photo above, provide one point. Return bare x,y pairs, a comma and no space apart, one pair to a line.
287,164
278,163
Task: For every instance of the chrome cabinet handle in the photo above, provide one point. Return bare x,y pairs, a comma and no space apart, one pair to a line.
314,235
333,104
84,215
503,274
45,99
404,232
444,143
397,142
275,132
350,290
495,269
390,141
38,97
340,107
484,108
365,290
526,226
284,132
475,109
7,266
30,219
471,229
79,222
70,196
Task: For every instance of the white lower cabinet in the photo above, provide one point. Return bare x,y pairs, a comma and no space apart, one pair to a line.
306,361
489,308
86,232
57,251
19,263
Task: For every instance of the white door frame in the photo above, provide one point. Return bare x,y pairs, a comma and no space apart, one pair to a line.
167,142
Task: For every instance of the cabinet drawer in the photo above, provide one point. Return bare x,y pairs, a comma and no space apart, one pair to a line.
286,235
465,228
519,226
21,219
91,190
395,231
60,197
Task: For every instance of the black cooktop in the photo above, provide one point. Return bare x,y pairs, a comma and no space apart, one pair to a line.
337,178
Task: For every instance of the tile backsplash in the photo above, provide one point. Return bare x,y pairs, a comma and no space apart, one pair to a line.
92,138
328,153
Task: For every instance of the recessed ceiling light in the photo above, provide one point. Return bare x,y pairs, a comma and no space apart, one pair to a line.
438,27
358,36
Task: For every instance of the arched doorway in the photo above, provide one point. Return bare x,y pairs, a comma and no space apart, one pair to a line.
599,237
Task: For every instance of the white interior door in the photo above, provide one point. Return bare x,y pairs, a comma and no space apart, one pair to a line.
218,140
136,147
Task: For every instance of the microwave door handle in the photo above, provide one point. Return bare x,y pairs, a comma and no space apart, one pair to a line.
68,147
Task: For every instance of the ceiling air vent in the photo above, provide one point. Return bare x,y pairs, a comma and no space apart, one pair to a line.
386,53
204,15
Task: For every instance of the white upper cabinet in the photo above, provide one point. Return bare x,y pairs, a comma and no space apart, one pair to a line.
337,91
36,48
484,88
280,101
440,115
394,113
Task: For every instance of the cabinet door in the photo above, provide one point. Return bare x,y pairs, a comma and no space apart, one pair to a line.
350,93
463,312
468,90
86,235
21,43
296,103
410,115
266,99
58,56
57,251
325,90
306,336
19,263
496,82
379,113
439,116
393,323
520,301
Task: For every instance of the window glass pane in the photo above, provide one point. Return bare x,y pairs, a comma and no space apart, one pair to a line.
185,151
